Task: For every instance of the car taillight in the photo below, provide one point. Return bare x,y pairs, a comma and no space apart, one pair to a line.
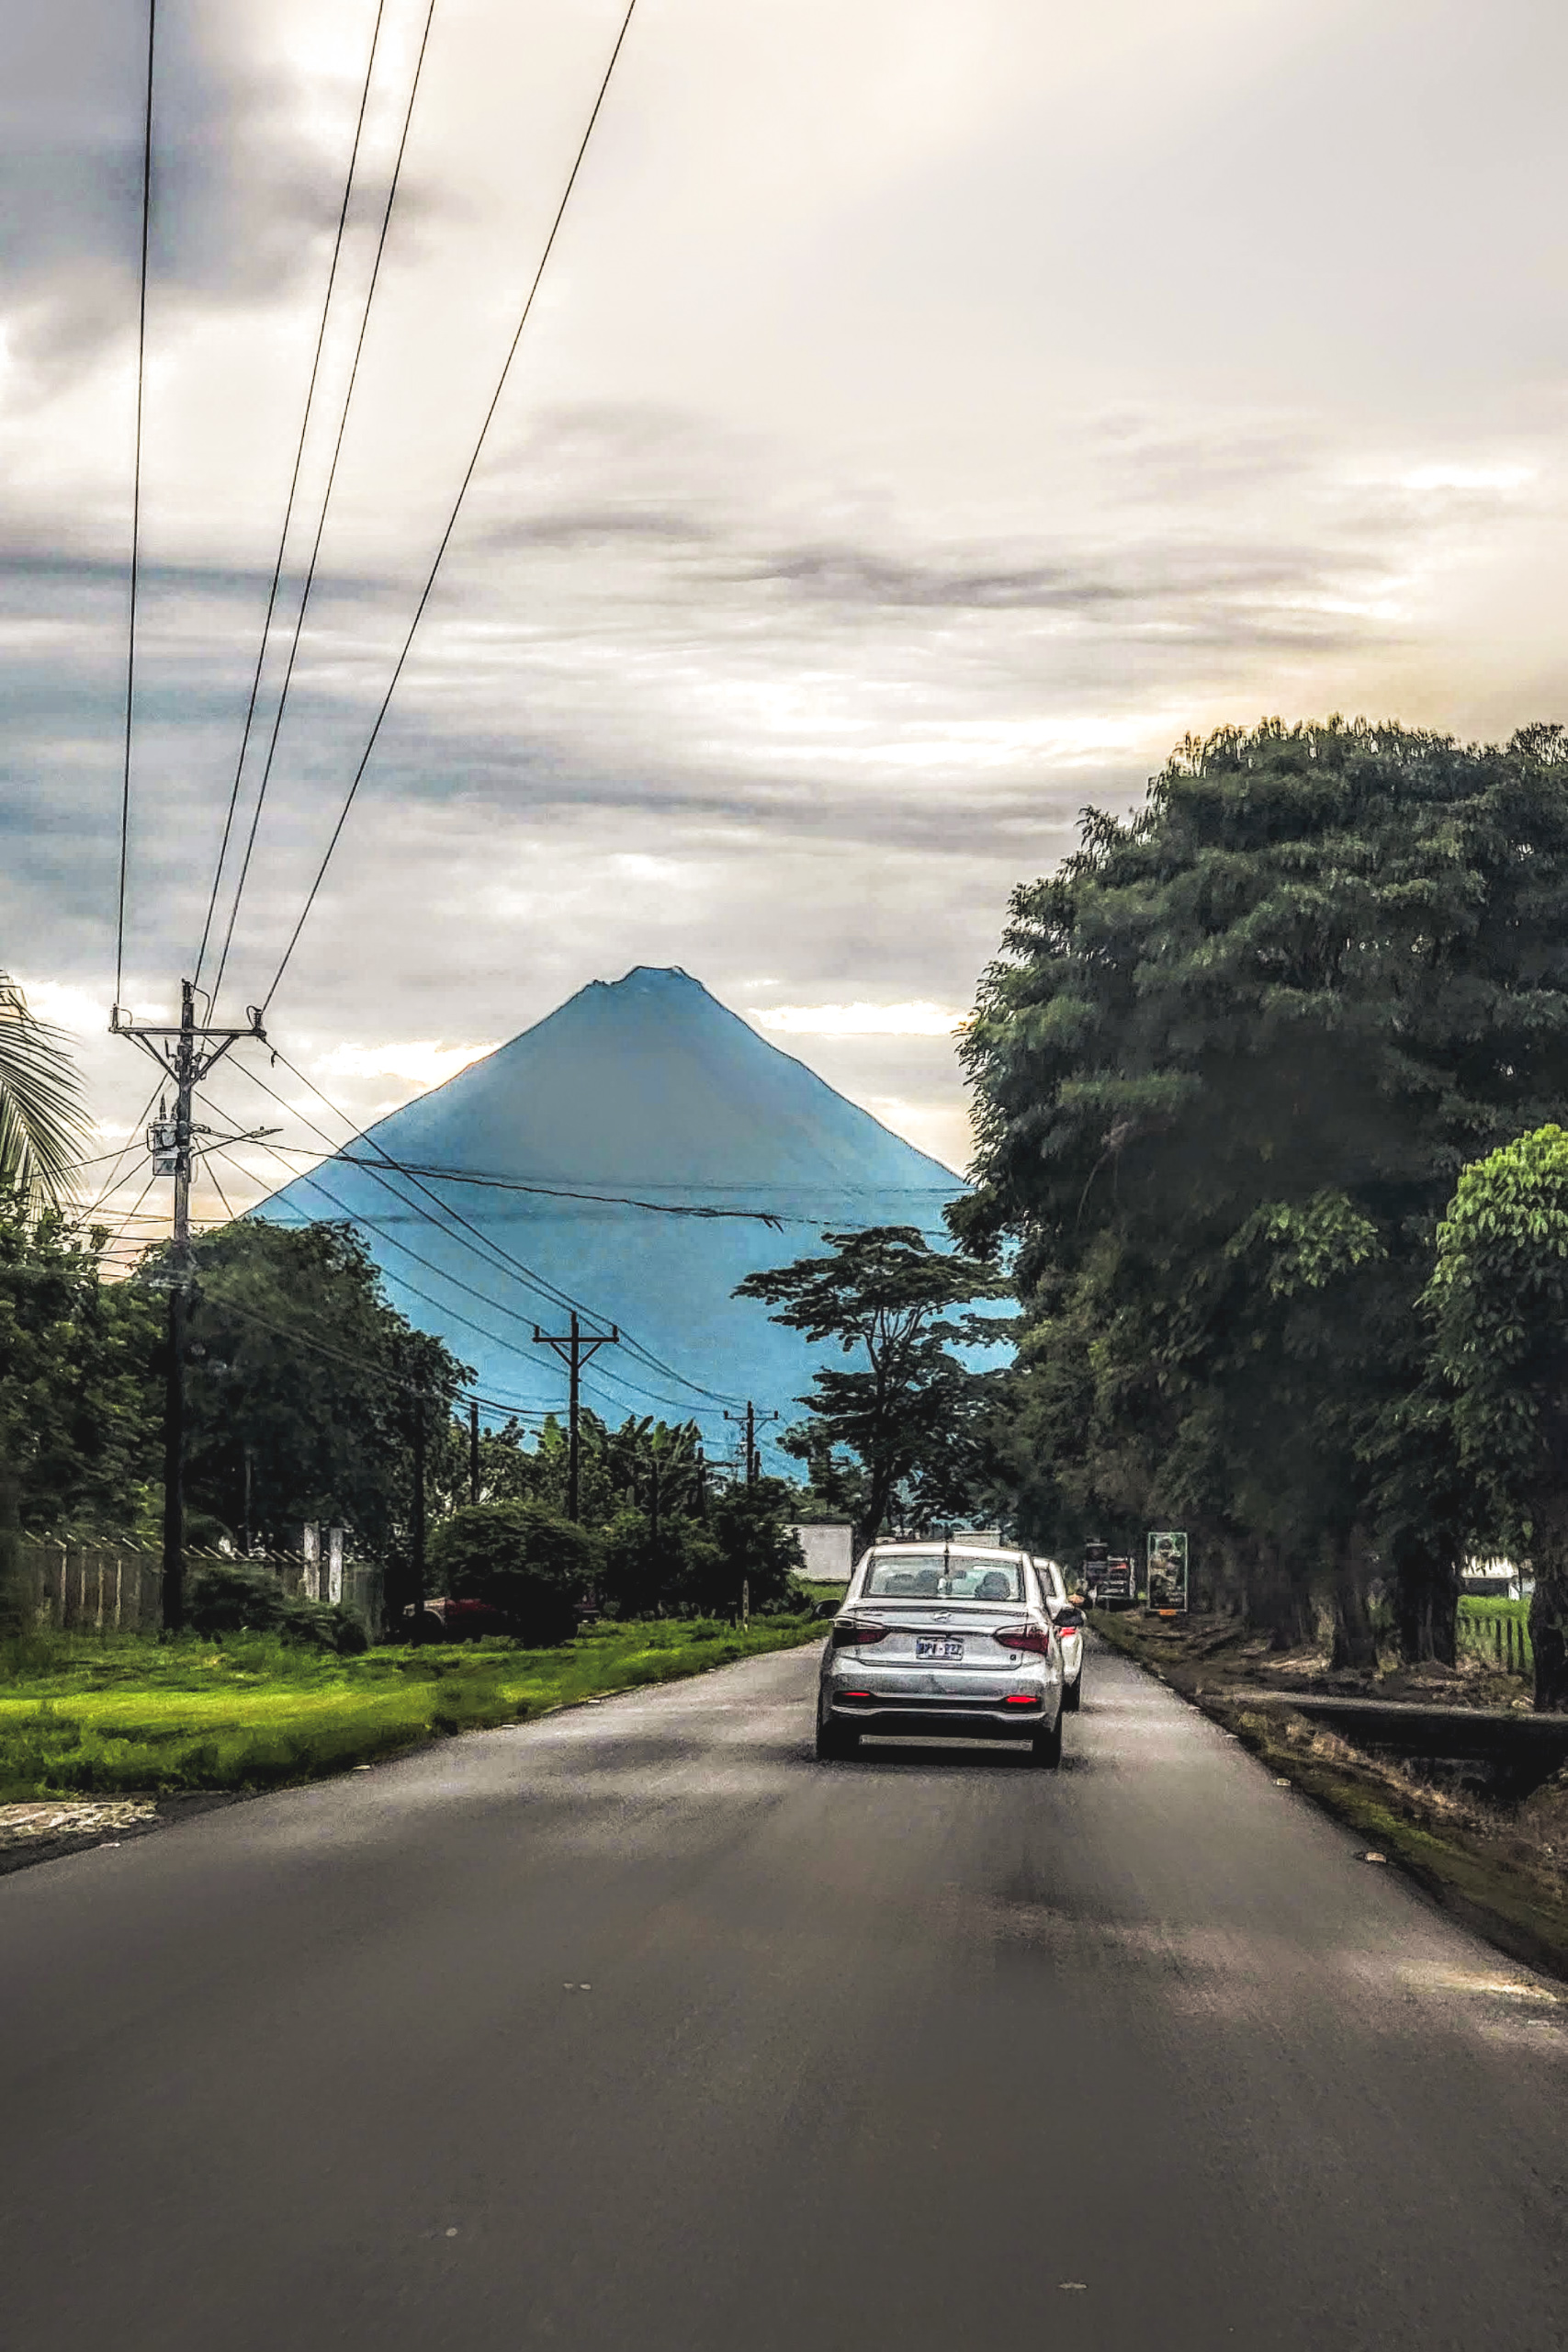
853,1633
1026,1637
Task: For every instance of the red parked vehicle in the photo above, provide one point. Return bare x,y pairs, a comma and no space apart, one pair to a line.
443,1619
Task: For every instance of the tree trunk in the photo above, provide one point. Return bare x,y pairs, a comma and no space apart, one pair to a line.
1549,1606
1355,1643
884,1483
1425,1608
1276,1604
16,1610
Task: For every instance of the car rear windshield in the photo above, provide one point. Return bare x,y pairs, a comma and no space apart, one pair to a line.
925,1575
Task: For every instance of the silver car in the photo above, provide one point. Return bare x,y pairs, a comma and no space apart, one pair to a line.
946,1640
1067,1610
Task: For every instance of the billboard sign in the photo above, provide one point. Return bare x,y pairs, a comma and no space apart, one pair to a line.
1168,1569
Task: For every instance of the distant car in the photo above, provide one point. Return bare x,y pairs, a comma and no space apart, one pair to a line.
1068,1619
946,1640
443,1619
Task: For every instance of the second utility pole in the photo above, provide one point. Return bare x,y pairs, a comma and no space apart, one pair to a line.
753,1459
574,1349
188,1059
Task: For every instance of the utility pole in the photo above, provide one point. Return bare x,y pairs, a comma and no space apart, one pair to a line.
186,1054
753,1459
575,1349
173,1591
653,1502
417,1530
473,1449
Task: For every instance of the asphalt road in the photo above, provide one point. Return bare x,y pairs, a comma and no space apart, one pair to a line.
639,2031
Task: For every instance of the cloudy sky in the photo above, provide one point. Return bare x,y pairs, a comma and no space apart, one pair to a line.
932,410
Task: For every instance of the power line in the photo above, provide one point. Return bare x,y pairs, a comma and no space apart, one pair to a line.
492,1250
326,495
357,1363
211,1174
533,1280
129,1145
428,1263
457,507
491,1404
76,1166
135,501
443,1273
293,490
559,1192
119,1234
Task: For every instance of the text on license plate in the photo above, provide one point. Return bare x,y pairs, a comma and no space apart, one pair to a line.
938,1646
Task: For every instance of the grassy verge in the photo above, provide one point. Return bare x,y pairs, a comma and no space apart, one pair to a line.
91,1718
1499,1632
1500,1870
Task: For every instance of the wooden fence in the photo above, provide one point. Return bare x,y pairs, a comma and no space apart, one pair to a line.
107,1588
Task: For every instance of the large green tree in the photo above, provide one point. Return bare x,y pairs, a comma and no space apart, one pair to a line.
883,1295
1499,1302
1227,1068
79,1443
304,1386
41,1129
78,1415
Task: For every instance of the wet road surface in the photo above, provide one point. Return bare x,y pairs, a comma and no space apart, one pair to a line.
639,2031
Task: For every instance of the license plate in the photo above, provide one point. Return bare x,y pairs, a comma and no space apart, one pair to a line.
937,1645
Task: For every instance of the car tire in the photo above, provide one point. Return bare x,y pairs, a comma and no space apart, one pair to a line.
1045,1747
1072,1696
836,1744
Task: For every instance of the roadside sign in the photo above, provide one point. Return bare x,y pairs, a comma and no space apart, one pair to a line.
1168,1569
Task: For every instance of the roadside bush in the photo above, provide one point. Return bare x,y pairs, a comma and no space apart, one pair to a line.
236,1597
756,1546
681,1572
521,1558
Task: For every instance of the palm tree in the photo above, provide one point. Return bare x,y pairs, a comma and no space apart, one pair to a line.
42,1127
43,1124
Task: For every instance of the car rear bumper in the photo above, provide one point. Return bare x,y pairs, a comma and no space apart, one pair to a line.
961,1718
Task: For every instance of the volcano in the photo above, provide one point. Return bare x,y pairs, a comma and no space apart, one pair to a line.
649,1090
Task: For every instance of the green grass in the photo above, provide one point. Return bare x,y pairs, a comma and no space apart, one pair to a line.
1497,1630
79,1717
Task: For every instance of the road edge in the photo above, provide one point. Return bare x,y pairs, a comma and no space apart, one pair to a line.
172,1806
1493,1894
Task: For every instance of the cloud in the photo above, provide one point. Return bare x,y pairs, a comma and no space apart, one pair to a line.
917,1020
241,187
834,544
421,1062
1472,477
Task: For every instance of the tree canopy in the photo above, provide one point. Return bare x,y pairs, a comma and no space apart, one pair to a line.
303,1385
79,1422
1228,1069
1498,1298
906,1412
